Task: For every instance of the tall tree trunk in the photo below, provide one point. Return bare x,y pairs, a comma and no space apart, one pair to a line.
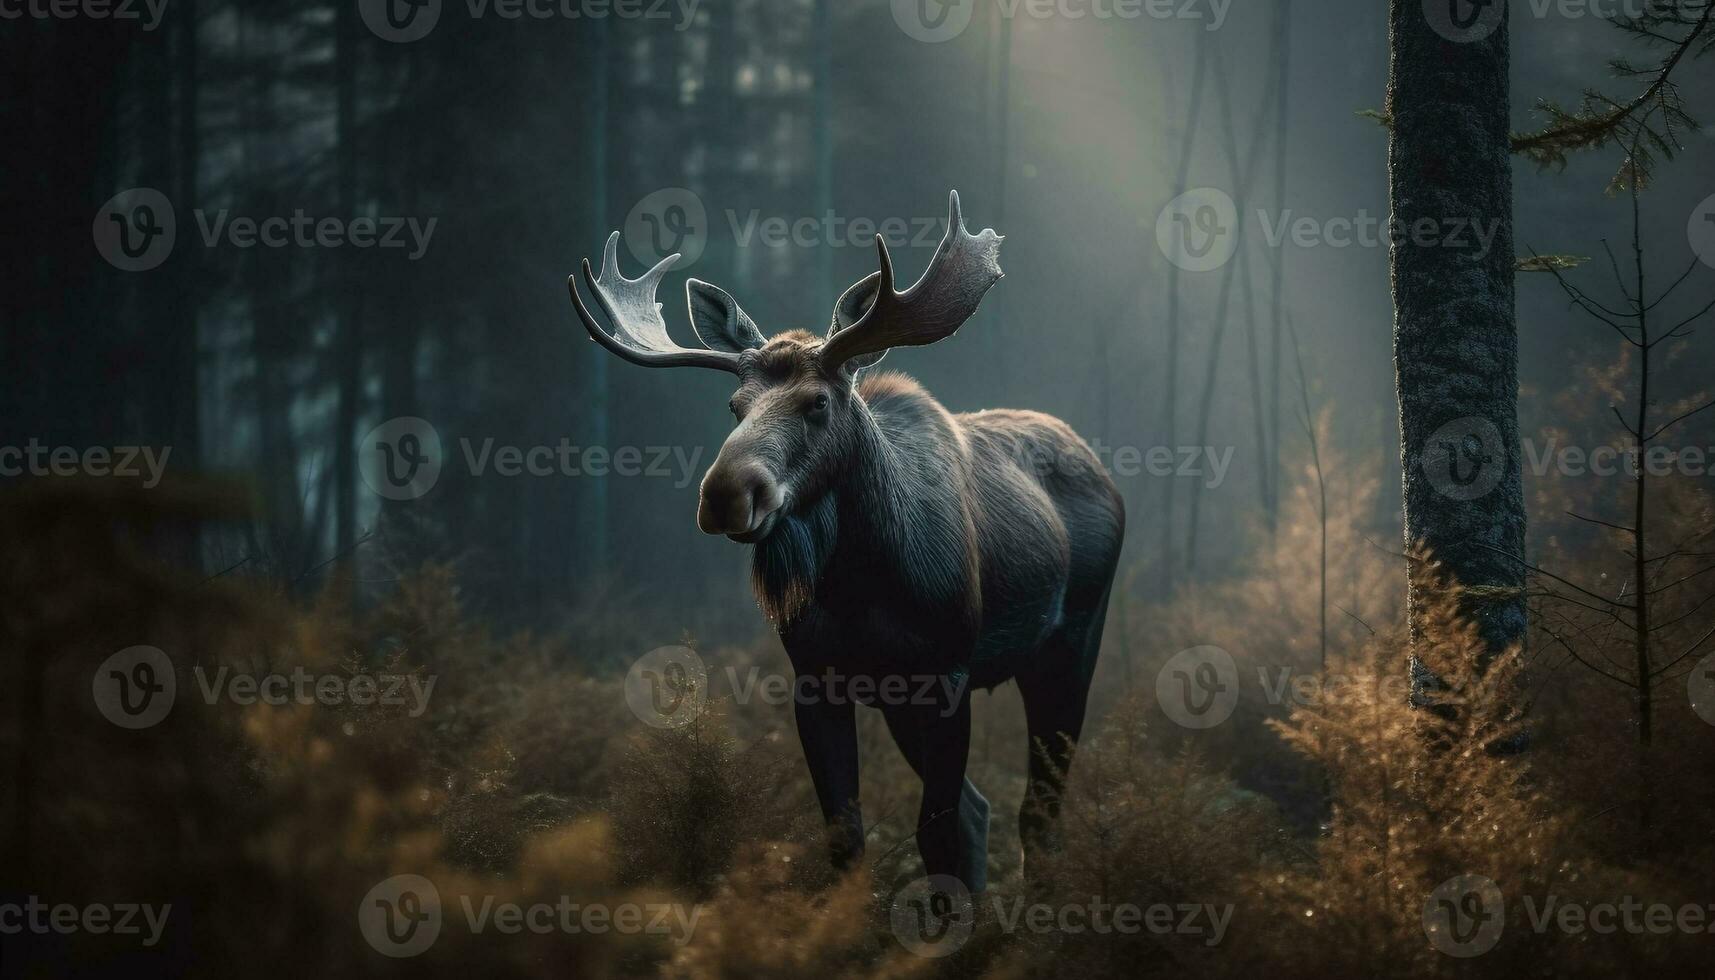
161,303
270,284
401,319
595,517
1170,387
1455,341
186,405
1243,176
1277,299
178,324
1002,131
823,29
349,296
65,76
1640,537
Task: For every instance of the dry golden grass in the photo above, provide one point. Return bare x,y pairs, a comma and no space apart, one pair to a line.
1322,823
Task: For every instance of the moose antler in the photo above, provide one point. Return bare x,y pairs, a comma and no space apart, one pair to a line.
639,332
963,269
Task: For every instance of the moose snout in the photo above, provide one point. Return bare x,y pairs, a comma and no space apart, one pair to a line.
737,500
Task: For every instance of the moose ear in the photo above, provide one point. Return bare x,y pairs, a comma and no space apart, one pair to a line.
719,322
850,309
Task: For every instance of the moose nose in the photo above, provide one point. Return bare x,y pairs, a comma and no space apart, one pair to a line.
736,500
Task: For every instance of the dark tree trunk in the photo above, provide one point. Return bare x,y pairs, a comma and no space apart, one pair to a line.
823,29
594,525
1170,387
1455,342
63,75
187,406
349,297
1640,532
270,283
1002,134
1277,303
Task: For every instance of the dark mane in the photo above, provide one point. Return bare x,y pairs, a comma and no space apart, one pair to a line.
785,566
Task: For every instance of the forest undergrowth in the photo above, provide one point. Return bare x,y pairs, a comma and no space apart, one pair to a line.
1322,828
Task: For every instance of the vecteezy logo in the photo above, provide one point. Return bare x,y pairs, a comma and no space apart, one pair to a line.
135,687
1465,459
1464,21
1700,685
670,220
1198,231
135,230
1464,916
933,916
933,21
1700,231
400,459
1198,688
401,916
667,687
400,21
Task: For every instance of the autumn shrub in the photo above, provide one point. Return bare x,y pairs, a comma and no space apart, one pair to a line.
1319,823
1151,830
1271,614
687,799
779,914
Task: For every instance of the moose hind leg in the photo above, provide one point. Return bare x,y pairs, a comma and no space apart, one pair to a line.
1055,697
974,835
1056,720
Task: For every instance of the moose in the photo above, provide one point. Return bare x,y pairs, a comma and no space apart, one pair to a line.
893,540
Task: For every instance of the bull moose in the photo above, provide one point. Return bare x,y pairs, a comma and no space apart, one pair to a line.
892,539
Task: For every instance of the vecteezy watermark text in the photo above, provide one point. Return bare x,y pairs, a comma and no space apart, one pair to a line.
33,915
1200,687
128,462
1365,230
137,687
404,21
567,459
674,220
137,229
669,686
402,917
934,917
147,11
1468,21
1467,458
935,21
1466,915
1200,230
303,231
402,459
1207,463
1612,460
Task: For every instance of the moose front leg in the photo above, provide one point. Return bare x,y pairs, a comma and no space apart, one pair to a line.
828,733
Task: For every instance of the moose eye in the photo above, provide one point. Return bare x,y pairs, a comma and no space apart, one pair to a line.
820,404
